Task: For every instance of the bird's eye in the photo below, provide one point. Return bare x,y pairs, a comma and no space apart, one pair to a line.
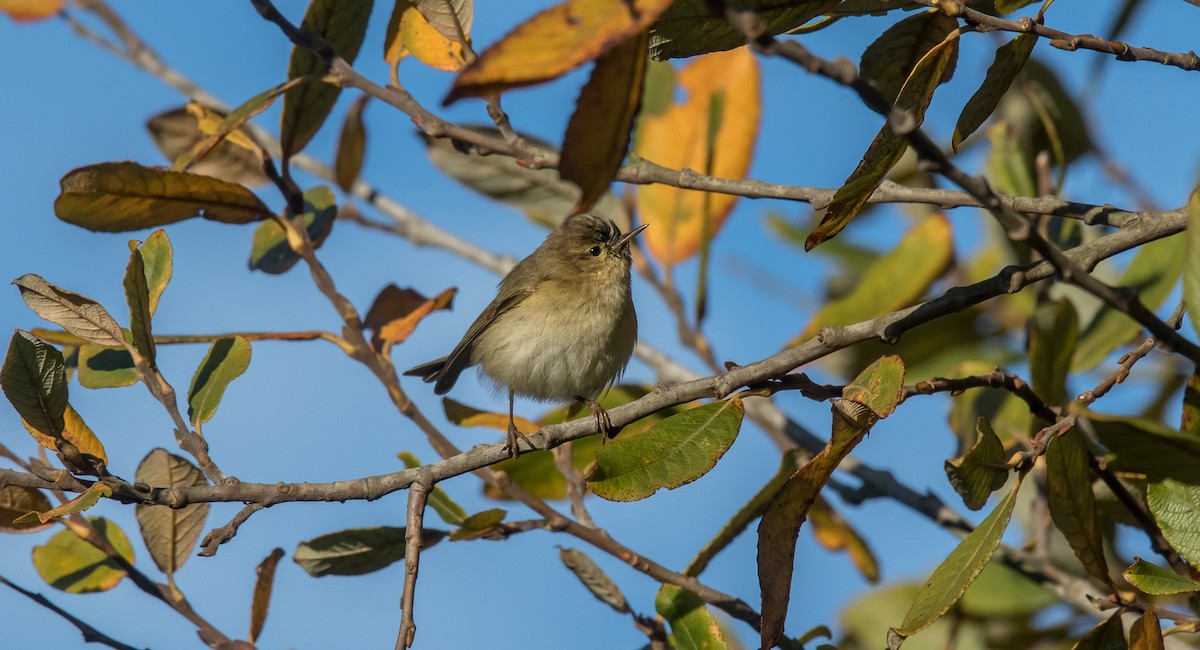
595,251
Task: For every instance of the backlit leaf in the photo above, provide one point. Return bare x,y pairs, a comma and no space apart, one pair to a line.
981,471
478,525
170,533
1191,271
177,131
539,193
692,625
674,452
69,563
832,531
1146,633
553,42
678,138
342,23
395,313
956,573
894,280
469,416
1054,330
887,148
30,10
1149,578
105,367
16,500
599,130
879,386
890,60
1009,162
218,128
433,31
352,146
81,502
781,521
76,432
1176,508
34,380
594,578
1152,274
157,259
264,582
225,361
356,551
121,196
689,27
1072,503
137,296
1010,58
447,508
270,252
77,314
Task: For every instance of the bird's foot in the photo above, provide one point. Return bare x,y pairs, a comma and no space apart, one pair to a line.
604,425
513,442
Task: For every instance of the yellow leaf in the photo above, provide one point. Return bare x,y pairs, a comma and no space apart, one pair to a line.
833,532
553,42
469,416
677,139
409,32
395,313
76,432
30,10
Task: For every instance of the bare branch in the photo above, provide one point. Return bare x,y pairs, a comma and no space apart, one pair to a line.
90,634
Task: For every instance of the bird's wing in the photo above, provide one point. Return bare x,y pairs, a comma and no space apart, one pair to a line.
460,358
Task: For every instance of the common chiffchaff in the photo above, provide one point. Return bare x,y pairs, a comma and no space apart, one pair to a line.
561,327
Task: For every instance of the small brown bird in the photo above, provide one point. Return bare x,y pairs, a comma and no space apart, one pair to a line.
562,325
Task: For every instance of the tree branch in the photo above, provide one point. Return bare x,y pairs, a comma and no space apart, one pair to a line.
90,634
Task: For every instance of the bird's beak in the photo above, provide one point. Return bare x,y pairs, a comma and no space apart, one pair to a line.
632,233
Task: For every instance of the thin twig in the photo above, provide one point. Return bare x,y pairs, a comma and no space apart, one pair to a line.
217,536
90,634
576,485
418,496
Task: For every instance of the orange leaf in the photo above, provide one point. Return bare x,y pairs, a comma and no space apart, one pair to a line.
598,134
409,32
553,42
30,10
76,432
395,313
469,416
677,139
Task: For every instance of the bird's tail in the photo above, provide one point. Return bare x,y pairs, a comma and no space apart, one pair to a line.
428,372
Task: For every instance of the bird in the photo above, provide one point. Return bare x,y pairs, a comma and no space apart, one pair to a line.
562,326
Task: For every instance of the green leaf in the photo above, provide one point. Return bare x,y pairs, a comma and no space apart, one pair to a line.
177,131
356,551
956,573
1176,508
871,7
692,625
893,280
478,525
1189,421
1051,346
170,533
447,508
1147,447
226,360
890,60
887,148
982,470
1009,6
1072,503
270,252
781,521
1149,578
879,386
69,563
592,577
77,314
157,259
1109,635
15,501
598,132
1009,162
539,193
137,295
1002,591
352,146
675,452
34,380
689,27
342,23
1010,58
1152,274
1191,271
82,501
121,196
103,367
746,514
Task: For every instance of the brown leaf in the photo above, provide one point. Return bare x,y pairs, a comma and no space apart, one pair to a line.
396,312
1146,633
263,583
553,42
599,130
352,145
76,432
177,131
678,138
170,533
77,314
15,501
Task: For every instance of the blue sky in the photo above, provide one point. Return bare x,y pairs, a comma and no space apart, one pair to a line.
304,411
